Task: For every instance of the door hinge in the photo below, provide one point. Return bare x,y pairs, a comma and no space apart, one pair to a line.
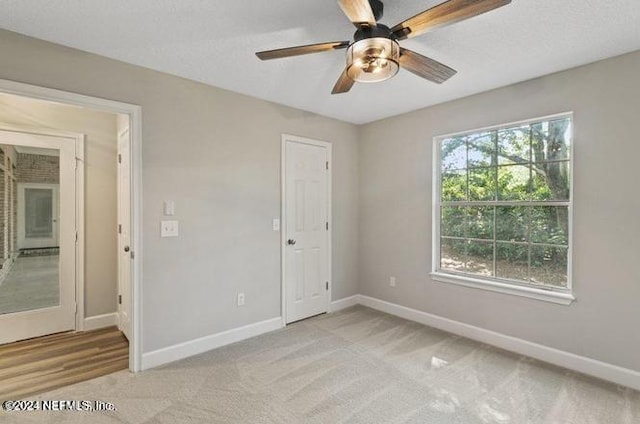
327,286
327,165
76,236
119,158
119,299
119,228
132,255
327,225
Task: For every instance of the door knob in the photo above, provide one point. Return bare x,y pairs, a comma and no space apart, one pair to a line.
291,242
126,248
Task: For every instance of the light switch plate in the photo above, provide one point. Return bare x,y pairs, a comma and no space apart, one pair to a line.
169,229
169,208
276,224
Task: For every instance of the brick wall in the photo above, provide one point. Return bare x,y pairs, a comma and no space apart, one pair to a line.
38,169
8,205
14,218
29,169
2,210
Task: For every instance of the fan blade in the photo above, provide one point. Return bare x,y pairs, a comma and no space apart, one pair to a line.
446,13
358,11
425,67
300,50
344,84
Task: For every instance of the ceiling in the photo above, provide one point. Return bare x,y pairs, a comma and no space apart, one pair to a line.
213,41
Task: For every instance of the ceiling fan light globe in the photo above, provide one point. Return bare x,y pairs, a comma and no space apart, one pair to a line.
373,59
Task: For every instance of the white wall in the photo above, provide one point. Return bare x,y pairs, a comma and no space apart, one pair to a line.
100,187
217,155
395,211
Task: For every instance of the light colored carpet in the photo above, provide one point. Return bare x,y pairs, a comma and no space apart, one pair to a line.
354,366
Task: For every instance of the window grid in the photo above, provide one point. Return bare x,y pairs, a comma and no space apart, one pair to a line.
529,203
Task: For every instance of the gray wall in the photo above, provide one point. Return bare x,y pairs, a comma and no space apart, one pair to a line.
217,155
101,266
395,211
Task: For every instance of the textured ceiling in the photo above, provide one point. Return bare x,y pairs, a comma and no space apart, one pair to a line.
213,41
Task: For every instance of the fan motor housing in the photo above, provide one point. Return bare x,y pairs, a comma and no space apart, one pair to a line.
378,31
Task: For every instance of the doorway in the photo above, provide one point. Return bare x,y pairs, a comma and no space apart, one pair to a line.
306,235
132,115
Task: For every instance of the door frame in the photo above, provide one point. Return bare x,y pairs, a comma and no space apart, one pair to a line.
283,217
78,139
134,113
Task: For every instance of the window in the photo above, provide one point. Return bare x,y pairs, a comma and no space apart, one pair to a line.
503,207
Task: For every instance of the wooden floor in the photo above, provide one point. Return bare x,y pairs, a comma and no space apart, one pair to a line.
45,363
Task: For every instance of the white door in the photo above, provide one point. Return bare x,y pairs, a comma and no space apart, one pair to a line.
306,236
124,231
38,215
37,294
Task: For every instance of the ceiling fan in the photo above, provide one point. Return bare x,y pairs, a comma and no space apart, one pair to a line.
375,55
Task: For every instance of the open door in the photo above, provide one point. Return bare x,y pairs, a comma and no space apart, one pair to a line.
38,273
124,226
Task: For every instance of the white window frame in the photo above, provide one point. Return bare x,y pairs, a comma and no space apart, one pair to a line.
559,295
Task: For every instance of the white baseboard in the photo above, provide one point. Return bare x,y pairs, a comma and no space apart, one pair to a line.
204,344
595,368
344,303
619,375
100,321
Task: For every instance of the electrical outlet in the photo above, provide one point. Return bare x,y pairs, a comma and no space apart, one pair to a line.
169,229
392,281
240,299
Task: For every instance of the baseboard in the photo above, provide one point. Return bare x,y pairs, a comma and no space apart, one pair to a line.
344,303
204,344
613,373
100,321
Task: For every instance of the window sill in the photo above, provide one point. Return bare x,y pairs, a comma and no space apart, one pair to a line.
562,298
